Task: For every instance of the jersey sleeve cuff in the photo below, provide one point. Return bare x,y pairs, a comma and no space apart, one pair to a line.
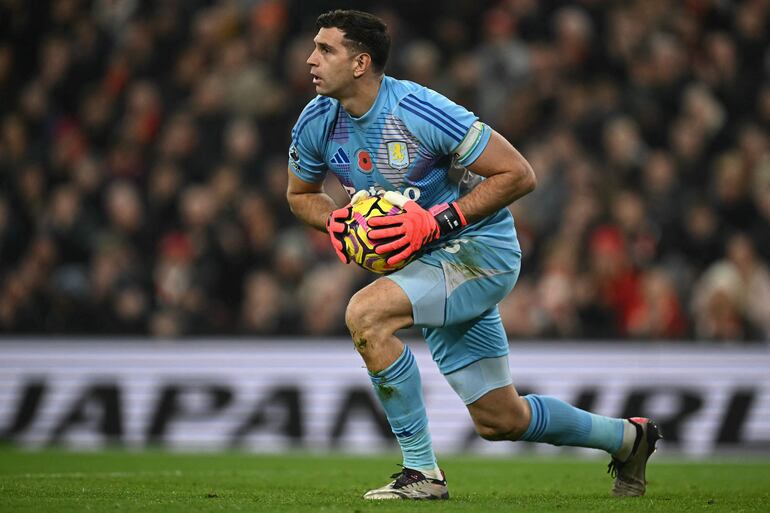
313,178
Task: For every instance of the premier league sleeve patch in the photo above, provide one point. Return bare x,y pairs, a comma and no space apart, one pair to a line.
294,157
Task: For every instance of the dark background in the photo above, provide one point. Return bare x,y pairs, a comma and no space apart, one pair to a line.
143,163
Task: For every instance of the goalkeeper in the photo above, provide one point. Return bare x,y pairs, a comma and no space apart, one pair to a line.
376,133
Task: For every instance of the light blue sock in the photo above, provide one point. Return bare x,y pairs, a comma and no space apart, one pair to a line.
558,423
399,389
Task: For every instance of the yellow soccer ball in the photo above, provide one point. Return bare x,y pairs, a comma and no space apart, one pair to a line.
357,243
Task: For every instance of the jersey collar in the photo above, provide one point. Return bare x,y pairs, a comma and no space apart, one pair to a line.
371,115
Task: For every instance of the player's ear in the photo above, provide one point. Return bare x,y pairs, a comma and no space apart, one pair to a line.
361,63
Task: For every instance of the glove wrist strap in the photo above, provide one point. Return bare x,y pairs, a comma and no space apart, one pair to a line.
449,217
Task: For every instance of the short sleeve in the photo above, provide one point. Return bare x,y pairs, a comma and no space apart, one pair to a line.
444,127
306,159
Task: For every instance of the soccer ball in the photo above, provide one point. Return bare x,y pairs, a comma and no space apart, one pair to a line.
357,244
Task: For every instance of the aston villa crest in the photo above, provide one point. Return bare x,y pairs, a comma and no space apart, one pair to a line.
398,155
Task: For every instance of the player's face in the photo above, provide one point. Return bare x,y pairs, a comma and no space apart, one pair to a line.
331,63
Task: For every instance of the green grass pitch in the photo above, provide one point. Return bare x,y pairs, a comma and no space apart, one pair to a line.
116,481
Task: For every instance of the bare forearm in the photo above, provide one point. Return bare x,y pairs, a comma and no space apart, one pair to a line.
508,177
312,208
494,193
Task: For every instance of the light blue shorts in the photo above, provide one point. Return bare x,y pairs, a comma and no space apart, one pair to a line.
475,380
454,289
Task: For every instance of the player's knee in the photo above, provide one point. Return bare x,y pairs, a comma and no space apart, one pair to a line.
362,317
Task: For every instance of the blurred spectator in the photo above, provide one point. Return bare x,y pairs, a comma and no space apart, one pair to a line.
730,188
661,191
556,292
501,55
322,298
615,275
519,311
143,164
731,299
264,306
659,314
755,282
702,241
717,307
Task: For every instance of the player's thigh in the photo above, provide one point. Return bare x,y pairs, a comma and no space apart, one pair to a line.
454,291
458,281
380,303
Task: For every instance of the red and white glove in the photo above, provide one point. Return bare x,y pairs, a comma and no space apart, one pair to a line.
335,225
414,228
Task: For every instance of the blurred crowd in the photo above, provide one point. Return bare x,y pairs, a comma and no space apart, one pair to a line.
143,162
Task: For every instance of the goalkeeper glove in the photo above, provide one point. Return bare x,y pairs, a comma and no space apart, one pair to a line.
335,225
414,227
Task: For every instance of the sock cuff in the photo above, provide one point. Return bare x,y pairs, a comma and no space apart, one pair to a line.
395,370
539,420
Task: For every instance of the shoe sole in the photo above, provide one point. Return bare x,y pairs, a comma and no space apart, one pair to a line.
396,495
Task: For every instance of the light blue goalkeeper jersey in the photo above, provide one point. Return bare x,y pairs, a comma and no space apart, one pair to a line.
407,142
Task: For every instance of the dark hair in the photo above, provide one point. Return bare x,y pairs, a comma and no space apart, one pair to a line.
366,32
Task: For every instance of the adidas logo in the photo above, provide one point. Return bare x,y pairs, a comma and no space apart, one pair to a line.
340,158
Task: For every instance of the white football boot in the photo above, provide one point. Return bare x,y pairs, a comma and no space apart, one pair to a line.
412,485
